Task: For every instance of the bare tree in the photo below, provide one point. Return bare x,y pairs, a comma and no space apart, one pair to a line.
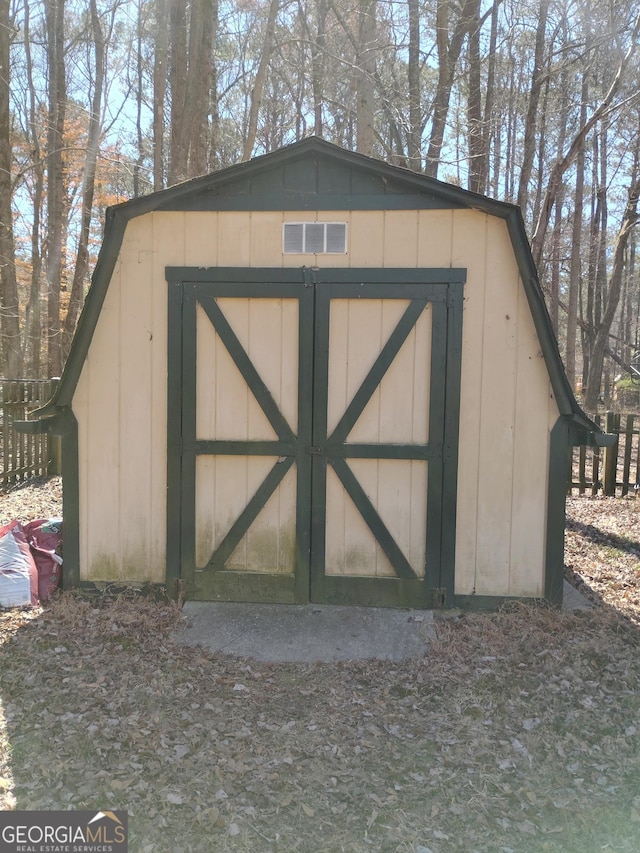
258,83
9,304
91,157
56,206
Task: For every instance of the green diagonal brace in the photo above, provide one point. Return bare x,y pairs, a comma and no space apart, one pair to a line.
378,370
249,513
248,371
401,565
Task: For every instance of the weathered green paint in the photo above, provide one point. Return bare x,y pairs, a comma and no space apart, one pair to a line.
343,180
312,448
559,450
70,499
202,287
309,175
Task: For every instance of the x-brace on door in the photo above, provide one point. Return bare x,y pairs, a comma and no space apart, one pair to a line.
312,434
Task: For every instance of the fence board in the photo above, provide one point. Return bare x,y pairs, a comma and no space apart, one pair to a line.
23,456
617,470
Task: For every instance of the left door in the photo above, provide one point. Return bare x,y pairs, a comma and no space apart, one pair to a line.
240,375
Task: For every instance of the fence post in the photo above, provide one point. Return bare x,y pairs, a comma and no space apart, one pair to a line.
628,441
611,456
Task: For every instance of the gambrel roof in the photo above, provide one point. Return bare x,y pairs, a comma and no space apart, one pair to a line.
316,175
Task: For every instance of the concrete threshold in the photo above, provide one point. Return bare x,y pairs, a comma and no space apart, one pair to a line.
308,633
293,633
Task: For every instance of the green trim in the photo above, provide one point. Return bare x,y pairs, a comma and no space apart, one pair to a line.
435,479
355,284
401,565
275,180
491,602
304,460
379,368
559,448
243,586
212,447
245,366
376,592
70,501
174,435
451,440
420,452
249,514
288,200
202,287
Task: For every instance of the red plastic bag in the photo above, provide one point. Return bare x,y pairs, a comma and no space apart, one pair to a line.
18,573
45,540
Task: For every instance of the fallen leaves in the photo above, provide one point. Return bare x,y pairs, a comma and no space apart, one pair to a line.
520,731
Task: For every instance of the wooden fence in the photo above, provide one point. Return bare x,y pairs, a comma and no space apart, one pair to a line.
612,470
24,456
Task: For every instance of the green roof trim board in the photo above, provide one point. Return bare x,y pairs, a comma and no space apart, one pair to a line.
313,175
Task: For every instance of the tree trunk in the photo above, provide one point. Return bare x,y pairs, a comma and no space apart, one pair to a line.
9,315
414,136
629,219
559,169
448,55
532,109
55,179
474,105
159,90
258,83
198,85
33,319
137,169
179,145
76,297
575,268
366,62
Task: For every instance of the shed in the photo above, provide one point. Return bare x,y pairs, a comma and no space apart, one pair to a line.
316,377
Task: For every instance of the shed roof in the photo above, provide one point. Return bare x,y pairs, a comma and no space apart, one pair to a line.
315,175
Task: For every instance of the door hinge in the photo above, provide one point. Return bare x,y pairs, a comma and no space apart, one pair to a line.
438,597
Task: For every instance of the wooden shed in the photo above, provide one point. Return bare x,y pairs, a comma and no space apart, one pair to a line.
316,377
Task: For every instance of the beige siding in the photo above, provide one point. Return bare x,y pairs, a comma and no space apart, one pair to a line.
398,412
227,409
506,417
507,409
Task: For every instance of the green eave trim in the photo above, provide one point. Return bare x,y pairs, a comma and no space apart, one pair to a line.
374,185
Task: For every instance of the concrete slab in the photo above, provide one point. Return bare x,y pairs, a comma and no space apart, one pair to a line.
308,633
574,600
282,633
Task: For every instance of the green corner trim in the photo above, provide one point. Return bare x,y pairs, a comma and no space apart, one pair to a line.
70,500
559,448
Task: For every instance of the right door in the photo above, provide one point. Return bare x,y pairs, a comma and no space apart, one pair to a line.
385,433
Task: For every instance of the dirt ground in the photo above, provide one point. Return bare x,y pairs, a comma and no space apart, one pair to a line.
519,731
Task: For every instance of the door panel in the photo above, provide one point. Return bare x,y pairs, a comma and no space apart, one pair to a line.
316,433
397,490
244,477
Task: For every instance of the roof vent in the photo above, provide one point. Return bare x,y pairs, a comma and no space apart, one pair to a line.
314,238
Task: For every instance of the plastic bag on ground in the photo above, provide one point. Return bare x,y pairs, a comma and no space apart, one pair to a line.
18,573
45,540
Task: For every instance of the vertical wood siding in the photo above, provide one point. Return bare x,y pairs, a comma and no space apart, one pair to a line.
507,408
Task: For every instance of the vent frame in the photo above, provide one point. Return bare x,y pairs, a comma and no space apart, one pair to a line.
314,238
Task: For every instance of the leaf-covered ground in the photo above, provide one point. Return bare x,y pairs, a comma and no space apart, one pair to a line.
519,731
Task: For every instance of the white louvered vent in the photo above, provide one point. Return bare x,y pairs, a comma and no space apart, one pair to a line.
314,238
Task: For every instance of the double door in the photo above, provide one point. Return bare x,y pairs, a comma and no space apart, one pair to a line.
313,429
